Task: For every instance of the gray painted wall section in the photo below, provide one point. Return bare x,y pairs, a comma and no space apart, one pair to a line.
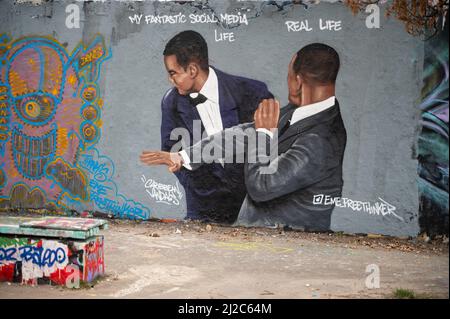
378,88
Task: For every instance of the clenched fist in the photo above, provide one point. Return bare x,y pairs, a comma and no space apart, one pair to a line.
267,114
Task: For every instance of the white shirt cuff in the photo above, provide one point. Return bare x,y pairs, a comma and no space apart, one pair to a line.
266,131
186,159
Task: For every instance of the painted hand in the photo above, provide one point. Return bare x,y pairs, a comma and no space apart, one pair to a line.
267,114
174,161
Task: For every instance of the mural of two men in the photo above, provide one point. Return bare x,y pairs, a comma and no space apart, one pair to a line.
310,140
214,192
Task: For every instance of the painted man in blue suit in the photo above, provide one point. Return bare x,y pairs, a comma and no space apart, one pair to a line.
214,100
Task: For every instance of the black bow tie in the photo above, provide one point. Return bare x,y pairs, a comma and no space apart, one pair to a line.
199,99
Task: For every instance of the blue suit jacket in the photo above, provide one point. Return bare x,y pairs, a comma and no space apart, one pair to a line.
213,192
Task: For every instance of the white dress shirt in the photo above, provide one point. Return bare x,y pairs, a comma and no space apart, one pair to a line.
305,111
209,111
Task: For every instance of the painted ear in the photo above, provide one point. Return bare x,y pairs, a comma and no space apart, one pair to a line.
299,82
193,70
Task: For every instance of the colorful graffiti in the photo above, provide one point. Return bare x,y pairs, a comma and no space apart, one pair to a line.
36,261
50,116
48,97
94,262
433,140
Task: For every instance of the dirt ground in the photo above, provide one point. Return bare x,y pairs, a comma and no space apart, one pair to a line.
194,260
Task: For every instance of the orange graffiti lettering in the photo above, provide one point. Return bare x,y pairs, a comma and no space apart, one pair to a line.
95,54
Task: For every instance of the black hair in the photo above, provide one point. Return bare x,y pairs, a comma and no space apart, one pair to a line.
188,46
317,63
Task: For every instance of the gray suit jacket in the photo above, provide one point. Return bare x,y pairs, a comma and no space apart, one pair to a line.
305,160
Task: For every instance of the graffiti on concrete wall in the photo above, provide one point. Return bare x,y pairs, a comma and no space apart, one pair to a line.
433,140
53,112
162,193
50,116
104,193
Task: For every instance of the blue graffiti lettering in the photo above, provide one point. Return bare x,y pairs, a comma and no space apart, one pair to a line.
7,254
100,171
103,190
41,257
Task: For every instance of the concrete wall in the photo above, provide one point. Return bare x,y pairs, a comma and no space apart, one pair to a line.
378,88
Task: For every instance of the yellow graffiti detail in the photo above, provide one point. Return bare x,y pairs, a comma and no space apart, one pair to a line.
32,109
61,141
91,56
18,85
72,79
90,93
54,76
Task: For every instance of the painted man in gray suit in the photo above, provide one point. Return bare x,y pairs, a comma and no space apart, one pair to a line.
311,140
